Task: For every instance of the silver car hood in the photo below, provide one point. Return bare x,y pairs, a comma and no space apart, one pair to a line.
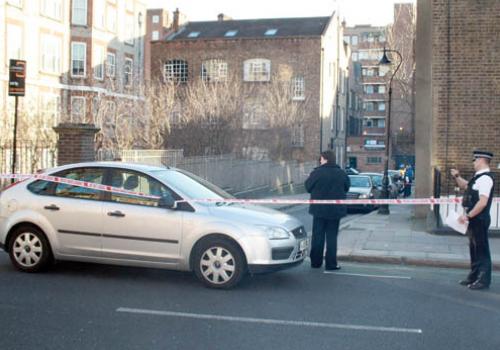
254,215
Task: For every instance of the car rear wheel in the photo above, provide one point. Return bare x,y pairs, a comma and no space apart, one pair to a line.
29,250
219,263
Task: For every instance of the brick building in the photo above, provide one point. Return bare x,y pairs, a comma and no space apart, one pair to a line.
458,88
308,53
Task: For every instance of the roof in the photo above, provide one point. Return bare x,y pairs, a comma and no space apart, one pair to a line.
253,28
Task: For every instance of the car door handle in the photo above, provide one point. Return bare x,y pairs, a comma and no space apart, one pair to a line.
116,213
51,207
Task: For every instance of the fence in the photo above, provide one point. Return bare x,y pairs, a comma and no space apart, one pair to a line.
28,159
227,171
442,211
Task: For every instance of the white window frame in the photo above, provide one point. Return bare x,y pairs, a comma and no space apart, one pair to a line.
155,19
298,88
257,70
51,9
214,70
50,101
381,87
110,66
354,40
79,12
14,37
55,43
78,43
155,35
129,73
98,62
176,70
381,106
73,116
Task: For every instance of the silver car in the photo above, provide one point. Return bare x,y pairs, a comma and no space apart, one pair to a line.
42,221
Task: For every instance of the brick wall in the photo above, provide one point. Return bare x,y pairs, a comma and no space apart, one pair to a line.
465,82
75,143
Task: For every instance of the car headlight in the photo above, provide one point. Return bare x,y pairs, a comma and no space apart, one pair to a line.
275,232
364,196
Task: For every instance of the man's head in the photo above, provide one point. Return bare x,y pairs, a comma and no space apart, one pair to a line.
481,159
327,157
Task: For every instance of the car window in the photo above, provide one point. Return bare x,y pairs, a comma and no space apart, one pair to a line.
94,175
133,181
40,187
360,181
377,180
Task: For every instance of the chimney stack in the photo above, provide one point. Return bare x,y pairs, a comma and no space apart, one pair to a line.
222,17
175,24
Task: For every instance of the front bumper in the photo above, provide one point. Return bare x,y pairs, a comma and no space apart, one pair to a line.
260,269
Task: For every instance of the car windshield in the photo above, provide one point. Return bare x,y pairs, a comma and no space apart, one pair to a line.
192,186
361,181
377,180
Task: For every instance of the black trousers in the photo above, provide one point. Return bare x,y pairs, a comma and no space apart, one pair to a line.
480,258
329,229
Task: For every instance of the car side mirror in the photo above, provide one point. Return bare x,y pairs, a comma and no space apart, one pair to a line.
167,202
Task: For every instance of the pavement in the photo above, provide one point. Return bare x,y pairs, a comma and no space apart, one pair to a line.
399,238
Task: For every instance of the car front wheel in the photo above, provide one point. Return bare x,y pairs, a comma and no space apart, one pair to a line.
29,250
219,263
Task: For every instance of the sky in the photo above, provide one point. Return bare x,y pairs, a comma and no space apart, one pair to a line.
374,12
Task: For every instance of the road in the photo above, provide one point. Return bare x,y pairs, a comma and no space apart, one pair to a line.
363,306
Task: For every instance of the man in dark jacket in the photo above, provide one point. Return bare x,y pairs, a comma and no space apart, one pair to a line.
328,181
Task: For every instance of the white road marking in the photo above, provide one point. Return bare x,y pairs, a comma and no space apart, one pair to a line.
268,321
367,275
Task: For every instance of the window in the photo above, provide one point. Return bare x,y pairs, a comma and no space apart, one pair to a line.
79,12
99,14
110,114
381,106
298,136
155,35
375,123
193,34
257,70
354,40
373,160
271,32
129,30
50,108
176,71
111,19
383,70
14,42
230,33
355,56
136,182
127,71
369,89
78,58
77,112
93,175
214,70
156,19
40,187
98,62
254,116
298,88
111,65
52,9
347,39
381,89
51,54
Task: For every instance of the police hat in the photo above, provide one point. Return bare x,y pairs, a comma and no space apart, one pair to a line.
482,154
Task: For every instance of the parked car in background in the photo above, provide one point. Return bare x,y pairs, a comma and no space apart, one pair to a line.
377,180
42,221
361,188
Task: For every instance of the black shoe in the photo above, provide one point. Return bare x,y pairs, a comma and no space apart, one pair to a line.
336,267
465,282
315,266
478,285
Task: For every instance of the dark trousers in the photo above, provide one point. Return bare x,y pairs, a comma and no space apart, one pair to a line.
480,258
324,228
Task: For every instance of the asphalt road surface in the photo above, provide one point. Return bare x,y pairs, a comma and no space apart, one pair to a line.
87,306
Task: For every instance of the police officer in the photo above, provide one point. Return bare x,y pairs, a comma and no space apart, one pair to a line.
328,181
477,203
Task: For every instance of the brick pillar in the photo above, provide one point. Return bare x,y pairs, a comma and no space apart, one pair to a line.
76,143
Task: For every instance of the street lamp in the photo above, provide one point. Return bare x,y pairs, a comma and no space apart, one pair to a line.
384,208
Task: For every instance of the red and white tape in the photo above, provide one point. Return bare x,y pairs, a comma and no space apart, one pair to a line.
99,187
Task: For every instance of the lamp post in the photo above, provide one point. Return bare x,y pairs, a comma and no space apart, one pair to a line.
384,209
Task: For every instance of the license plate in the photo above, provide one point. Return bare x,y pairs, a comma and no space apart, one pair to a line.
303,244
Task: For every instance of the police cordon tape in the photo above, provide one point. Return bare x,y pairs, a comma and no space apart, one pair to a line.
106,188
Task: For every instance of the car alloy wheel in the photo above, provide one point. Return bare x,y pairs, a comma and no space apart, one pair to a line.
29,250
219,263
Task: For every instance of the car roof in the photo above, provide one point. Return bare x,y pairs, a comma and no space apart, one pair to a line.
369,174
110,164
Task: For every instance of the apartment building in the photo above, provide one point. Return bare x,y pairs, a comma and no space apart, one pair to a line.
80,54
308,53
